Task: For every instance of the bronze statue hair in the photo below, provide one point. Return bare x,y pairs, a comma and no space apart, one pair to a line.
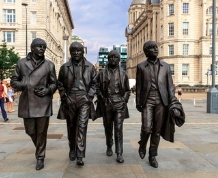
113,52
38,41
76,45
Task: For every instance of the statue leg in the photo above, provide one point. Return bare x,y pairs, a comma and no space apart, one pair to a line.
29,124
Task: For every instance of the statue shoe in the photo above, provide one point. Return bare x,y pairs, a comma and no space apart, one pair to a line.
80,162
153,162
120,158
72,155
142,152
109,151
39,164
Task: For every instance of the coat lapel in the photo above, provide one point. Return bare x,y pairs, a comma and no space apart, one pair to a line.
30,66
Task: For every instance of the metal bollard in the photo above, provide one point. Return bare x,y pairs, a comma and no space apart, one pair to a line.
194,101
179,99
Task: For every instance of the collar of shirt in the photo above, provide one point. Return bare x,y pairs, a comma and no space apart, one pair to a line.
153,62
77,63
113,70
37,62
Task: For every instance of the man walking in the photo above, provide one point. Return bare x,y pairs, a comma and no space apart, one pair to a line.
36,78
113,96
77,88
154,92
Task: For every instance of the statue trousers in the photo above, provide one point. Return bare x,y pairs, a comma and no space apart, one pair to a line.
77,121
113,117
152,116
37,129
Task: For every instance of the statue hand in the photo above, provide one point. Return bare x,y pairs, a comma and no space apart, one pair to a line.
41,91
139,108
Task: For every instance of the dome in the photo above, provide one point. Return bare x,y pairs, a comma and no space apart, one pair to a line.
135,2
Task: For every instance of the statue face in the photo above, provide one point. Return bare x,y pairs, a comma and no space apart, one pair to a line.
39,50
152,50
76,54
114,60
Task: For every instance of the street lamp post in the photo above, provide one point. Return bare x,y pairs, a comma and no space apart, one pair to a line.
212,94
25,4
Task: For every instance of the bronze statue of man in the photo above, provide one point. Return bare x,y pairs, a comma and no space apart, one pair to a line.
113,95
36,78
154,92
77,88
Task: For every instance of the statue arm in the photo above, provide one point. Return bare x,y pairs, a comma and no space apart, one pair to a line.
93,84
127,89
138,88
61,89
171,88
52,80
18,81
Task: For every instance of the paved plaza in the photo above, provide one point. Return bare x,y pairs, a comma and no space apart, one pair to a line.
194,153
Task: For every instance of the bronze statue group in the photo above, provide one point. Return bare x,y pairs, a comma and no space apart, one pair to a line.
78,83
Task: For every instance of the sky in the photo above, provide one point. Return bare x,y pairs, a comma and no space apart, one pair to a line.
99,23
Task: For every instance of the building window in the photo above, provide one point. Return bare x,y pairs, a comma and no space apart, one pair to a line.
171,29
171,50
172,69
210,28
9,37
185,8
33,0
185,49
33,35
9,0
210,49
33,17
185,69
185,28
9,15
171,9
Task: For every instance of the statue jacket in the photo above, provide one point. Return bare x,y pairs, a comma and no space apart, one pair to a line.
25,79
164,83
66,78
103,80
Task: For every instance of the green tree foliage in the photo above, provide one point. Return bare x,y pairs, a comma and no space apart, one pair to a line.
8,60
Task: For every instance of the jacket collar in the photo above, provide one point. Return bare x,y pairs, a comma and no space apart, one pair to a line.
146,62
70,63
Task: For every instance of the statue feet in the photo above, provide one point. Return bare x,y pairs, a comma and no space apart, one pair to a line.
120,158
153,162
39,164
80,162
109,151
142,152
72,155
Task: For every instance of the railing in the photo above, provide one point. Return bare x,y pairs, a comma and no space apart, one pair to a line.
194,89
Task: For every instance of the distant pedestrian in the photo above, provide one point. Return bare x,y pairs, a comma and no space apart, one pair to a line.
10,99
2,101
180,93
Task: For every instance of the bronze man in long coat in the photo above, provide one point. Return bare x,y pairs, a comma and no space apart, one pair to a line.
113,95
36,78
77,88
154,92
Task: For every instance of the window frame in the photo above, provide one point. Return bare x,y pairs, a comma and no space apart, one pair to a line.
33,21
171,29
171,50
9,17
171,9
185,30
185,8
185,68
12,36
185,49
172,69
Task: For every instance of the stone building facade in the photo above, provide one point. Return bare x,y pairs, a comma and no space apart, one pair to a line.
46,19
183,31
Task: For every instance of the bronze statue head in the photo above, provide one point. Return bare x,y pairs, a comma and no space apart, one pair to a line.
76,51
38,47
113,59
150,49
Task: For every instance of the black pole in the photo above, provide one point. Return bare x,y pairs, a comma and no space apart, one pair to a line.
214,44
25,4
26,30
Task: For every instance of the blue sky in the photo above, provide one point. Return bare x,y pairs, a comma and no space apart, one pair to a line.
100,23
